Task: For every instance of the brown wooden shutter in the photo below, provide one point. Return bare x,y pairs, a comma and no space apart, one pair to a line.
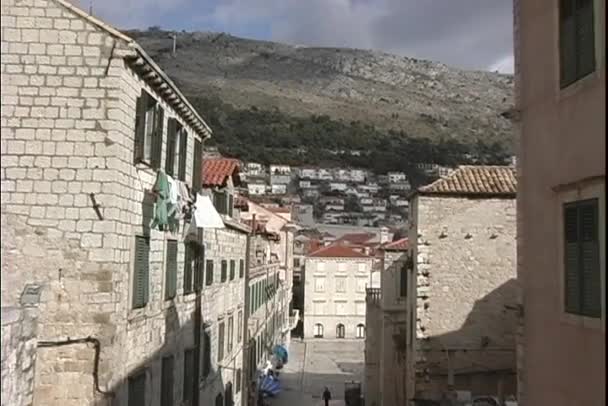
585,38
571,260
171,270
166,391
140,125
157,138
141,272
567,42
171,138
196,166
183,150
590,259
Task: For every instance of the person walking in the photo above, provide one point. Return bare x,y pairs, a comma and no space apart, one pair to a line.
326,396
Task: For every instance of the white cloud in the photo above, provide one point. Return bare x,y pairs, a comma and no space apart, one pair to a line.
503,65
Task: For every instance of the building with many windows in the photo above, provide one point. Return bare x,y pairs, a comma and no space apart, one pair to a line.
560,76
335,280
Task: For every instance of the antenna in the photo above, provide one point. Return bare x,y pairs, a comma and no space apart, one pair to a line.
174,36
91,8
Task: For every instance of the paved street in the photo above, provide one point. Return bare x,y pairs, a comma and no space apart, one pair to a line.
316,364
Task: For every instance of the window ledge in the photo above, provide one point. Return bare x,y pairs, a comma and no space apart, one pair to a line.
578,86
136,315
586,322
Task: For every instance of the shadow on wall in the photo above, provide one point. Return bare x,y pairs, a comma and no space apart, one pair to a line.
481,354
161,378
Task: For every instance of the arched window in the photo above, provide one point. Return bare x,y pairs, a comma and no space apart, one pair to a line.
360,331
340,331
318,330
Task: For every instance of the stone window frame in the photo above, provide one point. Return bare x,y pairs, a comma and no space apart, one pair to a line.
344,279
318,330
573,193
360,331
320,289
345,310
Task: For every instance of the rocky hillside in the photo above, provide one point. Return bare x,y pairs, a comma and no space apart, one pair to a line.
414,97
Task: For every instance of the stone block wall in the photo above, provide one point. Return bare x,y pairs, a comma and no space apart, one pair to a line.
465,268
373,353
19,325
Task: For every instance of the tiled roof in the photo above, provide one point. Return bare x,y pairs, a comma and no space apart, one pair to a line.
337,251
475,180
217,171
398,245
356,238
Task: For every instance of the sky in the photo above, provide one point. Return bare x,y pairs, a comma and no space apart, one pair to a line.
469,34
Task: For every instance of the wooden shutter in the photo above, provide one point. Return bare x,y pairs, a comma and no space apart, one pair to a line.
166,391
585,38
171,270
232,269
403,281
188,269
196,166
230,204
206,354
209,272
137,390
571,260
171,139
157,138
241,268
220,343
590,259
141,272
140,125
567,42
188,376
224,273
183,149
238,380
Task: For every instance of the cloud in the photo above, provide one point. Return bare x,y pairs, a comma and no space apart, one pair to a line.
472,34
505,64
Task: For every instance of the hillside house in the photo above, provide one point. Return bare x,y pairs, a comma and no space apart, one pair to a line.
257,188
278,189
280,170
254,169
396,177
338,186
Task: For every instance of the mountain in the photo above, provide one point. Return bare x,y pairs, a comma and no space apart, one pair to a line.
282,91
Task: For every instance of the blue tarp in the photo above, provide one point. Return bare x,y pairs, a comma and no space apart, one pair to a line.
281,352
270,385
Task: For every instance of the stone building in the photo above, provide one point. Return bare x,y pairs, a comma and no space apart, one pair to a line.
335,280
386,320
560,83
462,239
90,127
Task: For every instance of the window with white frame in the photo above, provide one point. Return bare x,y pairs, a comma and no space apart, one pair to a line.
360,332
318,330
319,308
319,284
341,307
361,284
341,284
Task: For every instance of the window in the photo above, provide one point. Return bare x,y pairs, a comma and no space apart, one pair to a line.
197,166
171,270
220,343
141,271
232,269
206,353
362,267
360,331
361,284
230,333
238,380
224,273
340,331
318,330
296,262
403,281
341,308
198,265
576,40
360,308
582,258
209,272
189,361
228,401
177,138
137,389
319,284
220,201
319,308
166,391
219,400
241,268
239,327
148,130
340,284
341,266
190,264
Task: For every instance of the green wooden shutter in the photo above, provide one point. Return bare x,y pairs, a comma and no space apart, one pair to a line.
157,138
232,269
171,270
230,204
567,42
241,268
199,272
585,38
171,139
166,391
140,125
183,149
196,166
590,259
188,269
571,260
141,272
137,390
209,272
220,342
224,271
206,354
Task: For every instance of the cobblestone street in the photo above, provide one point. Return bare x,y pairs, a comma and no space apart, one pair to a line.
316,364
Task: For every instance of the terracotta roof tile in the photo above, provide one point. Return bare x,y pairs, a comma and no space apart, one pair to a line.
217,171
356,238
475,180
398,245
337,251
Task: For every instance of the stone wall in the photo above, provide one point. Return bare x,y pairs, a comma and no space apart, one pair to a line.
465,268
19,325
373,353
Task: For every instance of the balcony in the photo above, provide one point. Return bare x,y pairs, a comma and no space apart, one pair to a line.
373,295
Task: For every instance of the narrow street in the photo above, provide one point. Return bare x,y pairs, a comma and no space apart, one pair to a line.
316,364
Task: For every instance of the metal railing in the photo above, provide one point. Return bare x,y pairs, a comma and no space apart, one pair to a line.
373,295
